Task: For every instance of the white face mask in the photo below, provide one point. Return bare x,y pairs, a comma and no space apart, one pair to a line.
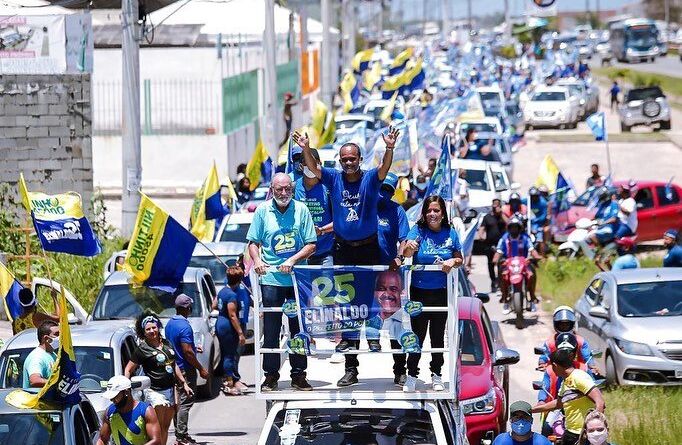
308,172
597,437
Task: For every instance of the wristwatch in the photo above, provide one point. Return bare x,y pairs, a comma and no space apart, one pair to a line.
401,258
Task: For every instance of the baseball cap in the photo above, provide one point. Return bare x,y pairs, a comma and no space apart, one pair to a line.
183,300
391,180
521,406
115,385
671,233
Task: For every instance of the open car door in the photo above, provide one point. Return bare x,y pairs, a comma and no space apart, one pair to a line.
42,289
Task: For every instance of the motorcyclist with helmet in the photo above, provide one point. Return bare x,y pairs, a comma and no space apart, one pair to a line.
539,222
512,244
564,323
607,215
514,206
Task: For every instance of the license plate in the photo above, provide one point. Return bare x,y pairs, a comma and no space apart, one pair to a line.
678,373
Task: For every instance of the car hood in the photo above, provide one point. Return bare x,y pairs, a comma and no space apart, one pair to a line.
480,198
552,105
654,331
476,381
195,322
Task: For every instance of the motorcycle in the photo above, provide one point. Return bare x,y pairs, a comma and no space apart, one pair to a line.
578,241
516,275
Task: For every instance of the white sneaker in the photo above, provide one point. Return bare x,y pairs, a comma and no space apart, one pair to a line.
506,309
410,384
437,382
337,358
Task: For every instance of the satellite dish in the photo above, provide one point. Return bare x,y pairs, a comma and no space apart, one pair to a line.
544,3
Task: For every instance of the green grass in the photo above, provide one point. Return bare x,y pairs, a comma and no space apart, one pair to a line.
644,415
562,281
655,136
669,84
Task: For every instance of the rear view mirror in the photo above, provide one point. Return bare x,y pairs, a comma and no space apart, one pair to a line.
506,356
600,312
71,317
140,382
214,313
469,215
482,296
597,353
537,385
538,350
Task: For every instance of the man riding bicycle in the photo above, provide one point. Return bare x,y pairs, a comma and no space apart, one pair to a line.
516,243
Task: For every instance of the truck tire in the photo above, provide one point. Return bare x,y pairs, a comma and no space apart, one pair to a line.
665,125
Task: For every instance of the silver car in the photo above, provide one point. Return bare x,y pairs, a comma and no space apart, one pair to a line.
644,106
100,355
635,317
118,303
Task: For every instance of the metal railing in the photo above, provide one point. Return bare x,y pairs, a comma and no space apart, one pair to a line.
167,106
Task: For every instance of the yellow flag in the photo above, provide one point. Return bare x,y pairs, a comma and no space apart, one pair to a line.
402,57
259,166
204,228
387,112
371,76
327,136
361,60
548,174
346,86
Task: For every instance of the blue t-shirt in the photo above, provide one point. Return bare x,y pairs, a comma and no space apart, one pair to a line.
354,204
627,261
434,248
317,201
178,331
281,235
535,439
128,428
225,297
510,247
393,228
607,212
674,257
540,211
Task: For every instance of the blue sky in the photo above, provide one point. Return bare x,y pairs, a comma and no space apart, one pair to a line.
415,8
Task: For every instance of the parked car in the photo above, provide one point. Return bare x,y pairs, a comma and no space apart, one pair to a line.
550,106
234,227
100,355
118,304
578,94
644,106
634,317
48,423
658,209
484,389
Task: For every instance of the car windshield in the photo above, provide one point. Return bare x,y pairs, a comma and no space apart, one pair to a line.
654,299
122,301
235,232
478,127
644,93
549,96
477,179
44,428
352,426
214,266
95,363
490,97
470,343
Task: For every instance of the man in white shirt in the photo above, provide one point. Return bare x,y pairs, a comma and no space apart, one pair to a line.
627,213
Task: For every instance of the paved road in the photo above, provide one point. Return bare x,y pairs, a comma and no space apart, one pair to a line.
669,66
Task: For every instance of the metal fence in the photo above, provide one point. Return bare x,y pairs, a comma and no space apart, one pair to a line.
167,106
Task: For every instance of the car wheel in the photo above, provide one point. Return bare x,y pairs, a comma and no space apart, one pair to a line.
665,125
624,128
562,126
611,373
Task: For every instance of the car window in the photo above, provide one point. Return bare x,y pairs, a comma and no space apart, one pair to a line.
206,291
214,265
667,195
477,179
91,418
603,299
653,299
122,301
446,420
487,328
500,183
592,291
43,294
80,428
127,350
32,428
235,232
644,198
470,344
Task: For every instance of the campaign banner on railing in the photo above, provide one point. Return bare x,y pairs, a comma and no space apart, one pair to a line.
351,299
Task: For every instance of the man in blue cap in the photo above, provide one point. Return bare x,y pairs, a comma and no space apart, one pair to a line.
310,191
392,221
674,256
521,422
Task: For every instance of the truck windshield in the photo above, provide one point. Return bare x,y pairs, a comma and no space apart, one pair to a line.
123,301
43,428
352,427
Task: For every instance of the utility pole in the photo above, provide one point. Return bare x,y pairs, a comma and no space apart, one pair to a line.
471,27
380,21
445,27
326,60
598,8
507,20
271,119
666,7
348,24
131,132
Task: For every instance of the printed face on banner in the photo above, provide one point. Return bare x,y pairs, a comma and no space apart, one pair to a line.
352,300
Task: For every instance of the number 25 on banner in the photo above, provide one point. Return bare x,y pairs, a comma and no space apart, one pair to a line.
344,290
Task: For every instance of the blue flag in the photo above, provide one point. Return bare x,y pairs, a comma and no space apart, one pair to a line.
597,123
441,181
469,237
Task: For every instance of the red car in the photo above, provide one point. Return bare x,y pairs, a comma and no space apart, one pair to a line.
658,210
484,386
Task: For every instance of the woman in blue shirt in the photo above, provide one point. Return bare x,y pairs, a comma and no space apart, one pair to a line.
431,241
230,327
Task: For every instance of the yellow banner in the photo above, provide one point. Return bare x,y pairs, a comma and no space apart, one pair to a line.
50,207
201,228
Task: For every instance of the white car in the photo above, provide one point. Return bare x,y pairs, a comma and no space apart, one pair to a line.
481,124
492,98
578,95
486,181
234,227
550,106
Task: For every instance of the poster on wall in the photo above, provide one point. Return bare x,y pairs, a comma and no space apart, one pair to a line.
32,44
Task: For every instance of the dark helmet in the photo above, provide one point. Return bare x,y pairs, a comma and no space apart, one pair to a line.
566,340
604,194
564,319
514,221
514,197
533,191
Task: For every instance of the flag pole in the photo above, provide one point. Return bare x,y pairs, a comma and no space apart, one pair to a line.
606,142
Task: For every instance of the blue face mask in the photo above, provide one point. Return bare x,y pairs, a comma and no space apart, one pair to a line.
522,426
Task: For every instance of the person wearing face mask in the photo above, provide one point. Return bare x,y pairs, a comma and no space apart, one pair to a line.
354,201
38,364
127,421
595,430
521,424
393,224
431,241
315,195
281,235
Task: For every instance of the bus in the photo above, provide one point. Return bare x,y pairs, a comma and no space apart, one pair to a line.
634,40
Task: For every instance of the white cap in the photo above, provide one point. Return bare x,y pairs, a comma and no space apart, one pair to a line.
115,385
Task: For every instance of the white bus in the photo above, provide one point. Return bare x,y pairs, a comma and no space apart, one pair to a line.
634,40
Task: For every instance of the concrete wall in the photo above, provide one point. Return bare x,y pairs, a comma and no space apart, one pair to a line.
45,132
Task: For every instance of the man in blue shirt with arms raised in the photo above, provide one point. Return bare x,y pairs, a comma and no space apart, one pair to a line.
281,235
354,199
